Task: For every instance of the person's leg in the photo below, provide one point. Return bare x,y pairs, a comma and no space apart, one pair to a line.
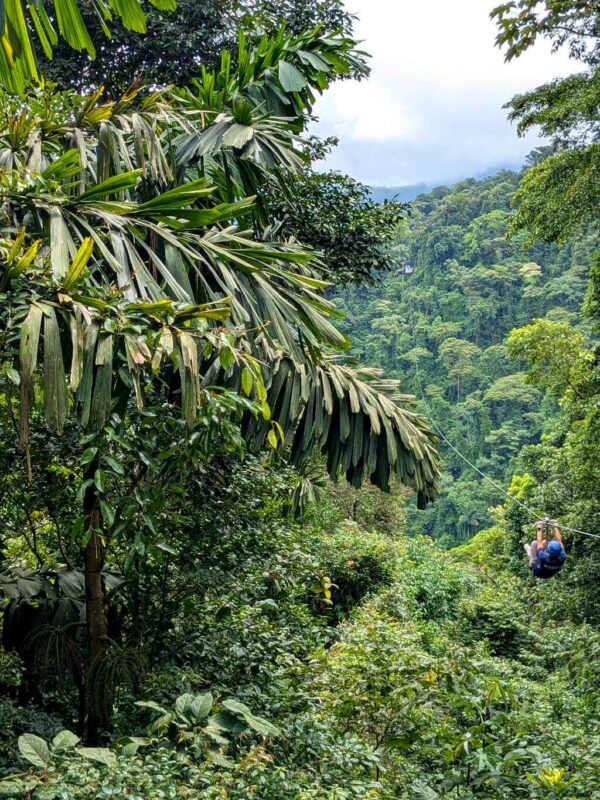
533,547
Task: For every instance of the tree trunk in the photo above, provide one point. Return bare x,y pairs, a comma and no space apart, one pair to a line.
93,558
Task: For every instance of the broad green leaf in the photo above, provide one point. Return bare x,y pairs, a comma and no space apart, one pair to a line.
88,455
175,199
151,705
113,185
35,750
167,548
78,265
101,755
258,724
226,357
290,77
108,513
64,167
83,487
64,740
16,246
150,522
131,744
238,135
99,480
247,381
225,721
114,465
12,375
201,706
183,703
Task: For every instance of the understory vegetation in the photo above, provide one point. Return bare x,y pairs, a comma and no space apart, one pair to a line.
326,660
269,450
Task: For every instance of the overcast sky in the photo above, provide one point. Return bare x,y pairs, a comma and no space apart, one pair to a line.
432,109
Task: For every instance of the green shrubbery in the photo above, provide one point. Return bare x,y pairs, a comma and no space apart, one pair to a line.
431,580
355,561
442,677
497,616
387,667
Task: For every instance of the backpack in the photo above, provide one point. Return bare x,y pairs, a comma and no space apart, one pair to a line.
547,568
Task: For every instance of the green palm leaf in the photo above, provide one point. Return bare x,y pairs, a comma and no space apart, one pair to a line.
17,61
366,429
129,233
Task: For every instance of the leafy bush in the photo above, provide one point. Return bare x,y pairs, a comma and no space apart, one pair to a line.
497,616
487,549
16,719
352,562
430,579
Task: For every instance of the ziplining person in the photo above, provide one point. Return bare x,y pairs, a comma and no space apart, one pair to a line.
546,558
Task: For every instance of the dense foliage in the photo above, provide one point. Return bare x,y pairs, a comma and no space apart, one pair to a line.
151,310
196,30
189,609
329,660
440,321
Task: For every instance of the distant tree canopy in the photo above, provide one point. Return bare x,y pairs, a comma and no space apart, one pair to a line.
442,330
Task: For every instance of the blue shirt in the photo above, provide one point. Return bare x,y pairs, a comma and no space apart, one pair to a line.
547,564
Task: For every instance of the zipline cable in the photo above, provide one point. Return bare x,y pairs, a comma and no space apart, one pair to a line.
500,488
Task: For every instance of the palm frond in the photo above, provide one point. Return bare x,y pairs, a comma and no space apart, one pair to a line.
366,428
22,22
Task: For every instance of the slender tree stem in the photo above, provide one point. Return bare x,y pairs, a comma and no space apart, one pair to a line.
93,557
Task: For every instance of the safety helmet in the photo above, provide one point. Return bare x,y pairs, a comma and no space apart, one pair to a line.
554,547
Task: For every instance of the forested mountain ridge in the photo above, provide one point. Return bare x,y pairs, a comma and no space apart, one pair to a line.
439,322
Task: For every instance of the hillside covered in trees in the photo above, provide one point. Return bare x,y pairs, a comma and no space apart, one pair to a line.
237,558
440,321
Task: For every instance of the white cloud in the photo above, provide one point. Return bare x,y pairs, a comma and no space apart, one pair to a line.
432,109
368,110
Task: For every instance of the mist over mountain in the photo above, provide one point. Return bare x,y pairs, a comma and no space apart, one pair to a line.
403,194
409,192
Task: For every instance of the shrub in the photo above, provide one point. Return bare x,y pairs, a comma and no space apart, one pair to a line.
487,550
356,562
497,617
430,579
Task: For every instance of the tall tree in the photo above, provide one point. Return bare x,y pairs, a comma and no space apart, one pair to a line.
559,193
134,274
